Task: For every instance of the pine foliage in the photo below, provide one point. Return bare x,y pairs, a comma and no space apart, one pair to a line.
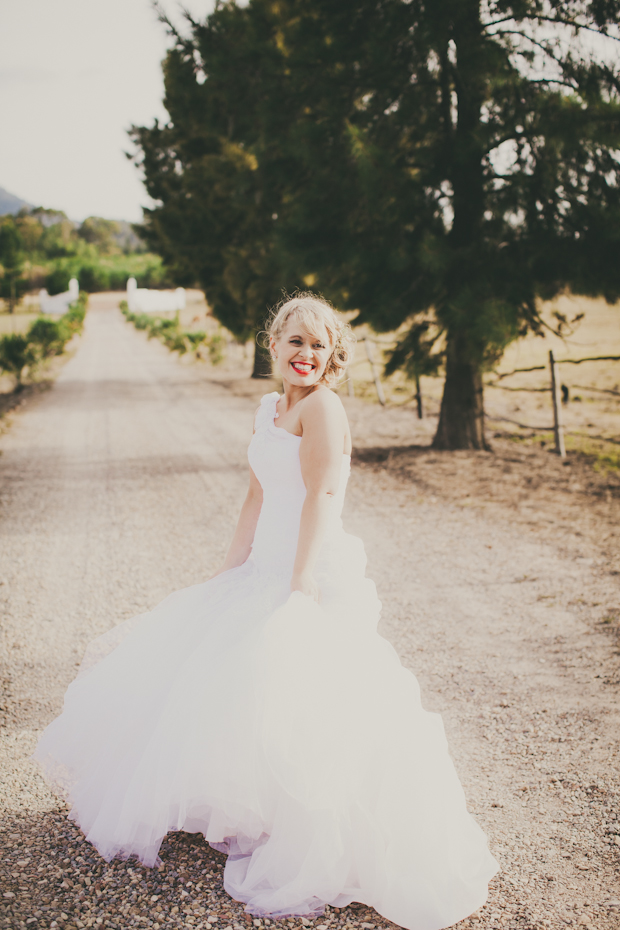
457,159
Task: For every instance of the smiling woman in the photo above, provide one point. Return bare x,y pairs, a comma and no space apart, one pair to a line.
311,347
316,337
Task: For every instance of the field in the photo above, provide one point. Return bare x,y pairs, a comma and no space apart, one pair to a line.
19,321
592,413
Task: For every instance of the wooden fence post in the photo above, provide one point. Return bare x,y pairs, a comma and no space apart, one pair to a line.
375,371
558,426
418,397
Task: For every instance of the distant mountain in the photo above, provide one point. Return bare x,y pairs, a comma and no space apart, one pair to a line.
128,239
9,203
125,236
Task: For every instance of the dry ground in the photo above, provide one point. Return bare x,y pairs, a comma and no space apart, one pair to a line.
499,578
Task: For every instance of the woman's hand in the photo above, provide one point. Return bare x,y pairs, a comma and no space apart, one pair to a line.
305,583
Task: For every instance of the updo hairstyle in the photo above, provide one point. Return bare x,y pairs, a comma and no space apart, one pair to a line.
314,313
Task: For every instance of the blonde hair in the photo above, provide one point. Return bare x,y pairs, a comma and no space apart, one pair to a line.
314,312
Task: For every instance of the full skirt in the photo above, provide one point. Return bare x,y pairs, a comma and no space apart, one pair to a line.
286,732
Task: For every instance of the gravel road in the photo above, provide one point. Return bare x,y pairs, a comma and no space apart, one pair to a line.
123,483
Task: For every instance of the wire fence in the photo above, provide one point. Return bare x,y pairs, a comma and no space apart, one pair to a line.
559,392
559,395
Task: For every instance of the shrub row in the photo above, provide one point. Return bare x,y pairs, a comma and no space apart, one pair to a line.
106,274
178,340
45,338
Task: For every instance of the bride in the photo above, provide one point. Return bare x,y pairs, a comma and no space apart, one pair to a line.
263,710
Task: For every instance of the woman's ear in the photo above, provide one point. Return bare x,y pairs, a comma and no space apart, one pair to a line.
272,348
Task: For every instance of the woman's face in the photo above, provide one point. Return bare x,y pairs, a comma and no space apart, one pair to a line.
301,356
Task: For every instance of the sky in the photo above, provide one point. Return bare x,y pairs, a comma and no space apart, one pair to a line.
74,76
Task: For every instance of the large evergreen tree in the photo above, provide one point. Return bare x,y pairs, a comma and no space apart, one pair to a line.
214,172
455,159
481,143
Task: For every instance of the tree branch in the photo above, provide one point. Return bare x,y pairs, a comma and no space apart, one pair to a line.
550,19
163,17
568,81
575,25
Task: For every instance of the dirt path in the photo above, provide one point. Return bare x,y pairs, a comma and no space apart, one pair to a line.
123,483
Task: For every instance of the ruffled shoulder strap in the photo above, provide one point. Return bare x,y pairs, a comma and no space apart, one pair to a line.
265,413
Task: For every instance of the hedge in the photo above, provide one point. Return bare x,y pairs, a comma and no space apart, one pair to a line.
177,339
45,338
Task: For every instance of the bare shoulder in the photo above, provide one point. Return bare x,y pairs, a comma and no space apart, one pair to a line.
321,405
323,417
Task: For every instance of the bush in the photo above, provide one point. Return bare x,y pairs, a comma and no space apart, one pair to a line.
196,338
74,317
15,353
95,277
57,281
48,337
162,327
217,345
44,339
140,320
176,342
177,339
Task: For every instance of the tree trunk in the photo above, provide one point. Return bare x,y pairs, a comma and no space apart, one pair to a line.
461,420
12,295
262,361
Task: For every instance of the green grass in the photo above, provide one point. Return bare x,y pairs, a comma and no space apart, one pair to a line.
604,456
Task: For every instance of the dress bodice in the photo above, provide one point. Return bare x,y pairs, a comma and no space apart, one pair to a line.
274,458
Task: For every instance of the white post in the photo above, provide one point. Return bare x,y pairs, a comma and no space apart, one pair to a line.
375,371
132,286
74,289
558,426
180,298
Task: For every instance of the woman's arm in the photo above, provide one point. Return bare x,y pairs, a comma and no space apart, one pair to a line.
320,455
241,544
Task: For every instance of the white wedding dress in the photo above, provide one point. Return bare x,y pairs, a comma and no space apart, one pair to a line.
287,733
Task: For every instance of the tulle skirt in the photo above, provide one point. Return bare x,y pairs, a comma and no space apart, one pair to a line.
288,734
